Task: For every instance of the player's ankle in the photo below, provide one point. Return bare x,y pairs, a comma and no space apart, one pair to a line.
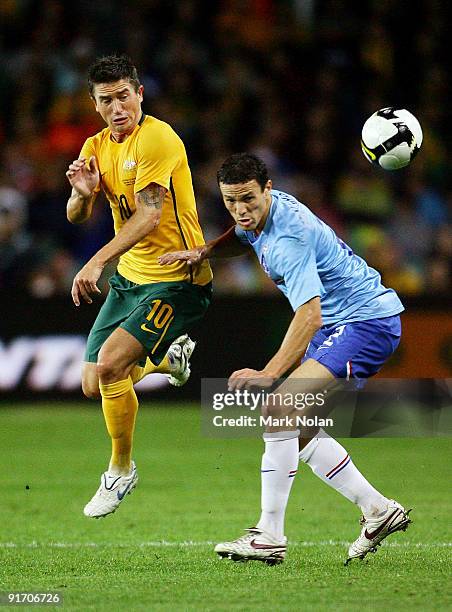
119,470
375,510
271,527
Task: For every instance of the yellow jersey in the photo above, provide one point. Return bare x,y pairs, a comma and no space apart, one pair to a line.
152,153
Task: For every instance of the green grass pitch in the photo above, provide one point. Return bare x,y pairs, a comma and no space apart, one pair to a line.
156,552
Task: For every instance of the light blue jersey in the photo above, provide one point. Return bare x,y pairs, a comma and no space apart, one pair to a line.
305,258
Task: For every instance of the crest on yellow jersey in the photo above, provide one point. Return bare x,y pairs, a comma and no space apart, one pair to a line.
129,164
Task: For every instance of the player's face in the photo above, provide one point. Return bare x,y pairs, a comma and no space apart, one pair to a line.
119,106
247,203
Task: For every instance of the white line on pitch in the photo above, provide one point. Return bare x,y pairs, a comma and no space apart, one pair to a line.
189,543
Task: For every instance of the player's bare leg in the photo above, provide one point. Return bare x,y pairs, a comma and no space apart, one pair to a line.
90,380
119,403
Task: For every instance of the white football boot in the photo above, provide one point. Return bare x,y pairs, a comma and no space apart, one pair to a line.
375,530
109,495
255,545
179,354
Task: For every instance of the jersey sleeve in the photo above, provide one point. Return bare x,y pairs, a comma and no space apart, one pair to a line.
158,157
88,150
301,278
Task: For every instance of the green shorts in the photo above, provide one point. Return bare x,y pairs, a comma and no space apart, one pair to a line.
154,313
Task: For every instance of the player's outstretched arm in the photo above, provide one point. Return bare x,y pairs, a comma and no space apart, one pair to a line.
305,323
226,245
84,179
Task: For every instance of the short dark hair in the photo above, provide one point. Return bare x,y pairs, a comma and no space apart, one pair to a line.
111,68
241,168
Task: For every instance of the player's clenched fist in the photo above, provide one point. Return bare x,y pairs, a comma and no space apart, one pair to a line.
82,176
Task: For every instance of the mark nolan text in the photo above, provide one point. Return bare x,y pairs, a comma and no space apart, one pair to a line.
296,421
270,421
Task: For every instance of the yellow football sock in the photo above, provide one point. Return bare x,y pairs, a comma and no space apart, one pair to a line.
138,372
120,405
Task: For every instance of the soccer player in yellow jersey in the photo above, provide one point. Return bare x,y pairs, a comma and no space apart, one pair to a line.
141,165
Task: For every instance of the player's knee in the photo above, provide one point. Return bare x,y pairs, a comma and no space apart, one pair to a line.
271,409
108,369
104,368
90,381
91,389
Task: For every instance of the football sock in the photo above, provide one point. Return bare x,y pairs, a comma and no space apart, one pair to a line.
120,405
279,466
164,367
331,462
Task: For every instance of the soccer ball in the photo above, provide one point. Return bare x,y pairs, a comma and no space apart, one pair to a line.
391,138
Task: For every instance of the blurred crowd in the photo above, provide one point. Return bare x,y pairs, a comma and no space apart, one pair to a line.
290,80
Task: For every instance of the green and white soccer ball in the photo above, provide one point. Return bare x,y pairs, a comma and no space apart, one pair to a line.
391,138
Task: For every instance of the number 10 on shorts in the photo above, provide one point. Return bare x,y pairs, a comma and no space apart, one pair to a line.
161,315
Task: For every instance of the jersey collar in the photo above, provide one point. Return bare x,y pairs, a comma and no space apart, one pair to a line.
252,236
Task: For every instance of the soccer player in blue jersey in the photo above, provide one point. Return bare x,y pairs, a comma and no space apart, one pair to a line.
346,324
